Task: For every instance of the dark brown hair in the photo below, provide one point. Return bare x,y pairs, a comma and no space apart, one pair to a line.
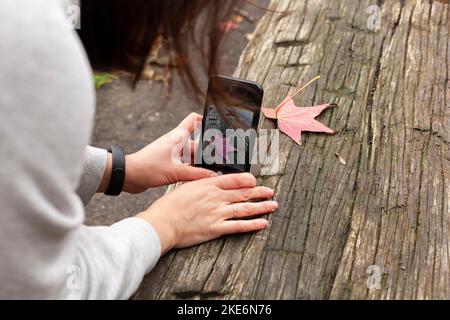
119,34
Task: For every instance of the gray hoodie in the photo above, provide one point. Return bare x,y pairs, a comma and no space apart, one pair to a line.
47,173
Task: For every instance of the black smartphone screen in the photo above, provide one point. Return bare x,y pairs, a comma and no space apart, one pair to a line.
230,122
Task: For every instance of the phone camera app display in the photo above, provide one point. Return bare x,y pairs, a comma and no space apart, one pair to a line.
229,125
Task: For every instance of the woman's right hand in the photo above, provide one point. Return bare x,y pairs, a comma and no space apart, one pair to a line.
202,210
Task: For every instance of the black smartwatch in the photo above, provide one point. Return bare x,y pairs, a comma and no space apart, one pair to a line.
118,171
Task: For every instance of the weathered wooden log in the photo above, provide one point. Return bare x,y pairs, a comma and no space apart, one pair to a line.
387,211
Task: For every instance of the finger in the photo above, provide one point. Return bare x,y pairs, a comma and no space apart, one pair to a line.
191,122
249,209
189,173
193,147
195,157
189,151
240,226
235,181
246,194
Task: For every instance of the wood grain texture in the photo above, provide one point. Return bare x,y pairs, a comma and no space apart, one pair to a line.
389,205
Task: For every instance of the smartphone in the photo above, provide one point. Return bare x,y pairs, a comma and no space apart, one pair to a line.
230,122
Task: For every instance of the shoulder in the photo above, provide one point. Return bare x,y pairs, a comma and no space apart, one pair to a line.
48,93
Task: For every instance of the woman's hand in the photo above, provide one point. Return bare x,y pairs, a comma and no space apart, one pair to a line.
160,163
206,209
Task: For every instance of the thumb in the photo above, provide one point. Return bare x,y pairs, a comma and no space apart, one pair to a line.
178,141
191,122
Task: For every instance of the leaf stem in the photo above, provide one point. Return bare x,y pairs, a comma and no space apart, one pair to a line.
299,90
277,110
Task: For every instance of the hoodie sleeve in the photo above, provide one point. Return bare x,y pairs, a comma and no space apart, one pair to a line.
94,165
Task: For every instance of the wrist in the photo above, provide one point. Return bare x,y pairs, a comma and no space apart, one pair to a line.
164,230
106,179
132,178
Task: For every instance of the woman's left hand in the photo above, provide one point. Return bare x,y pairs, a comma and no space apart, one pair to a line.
160,163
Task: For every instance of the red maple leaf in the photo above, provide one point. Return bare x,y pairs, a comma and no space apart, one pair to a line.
292,119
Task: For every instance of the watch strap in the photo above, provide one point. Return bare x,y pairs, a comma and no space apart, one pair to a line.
118,171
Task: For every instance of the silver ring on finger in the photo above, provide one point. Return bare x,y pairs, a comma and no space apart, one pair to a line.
234,211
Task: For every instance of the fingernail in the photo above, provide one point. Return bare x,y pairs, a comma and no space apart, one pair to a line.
274,205
265,223
270,192
213,174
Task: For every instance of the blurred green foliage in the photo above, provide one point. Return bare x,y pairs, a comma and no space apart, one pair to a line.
100,79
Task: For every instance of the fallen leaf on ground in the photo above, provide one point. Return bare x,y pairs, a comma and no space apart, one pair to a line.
238,18
245,15
341,160
165,77
293,120
228,26
148,73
